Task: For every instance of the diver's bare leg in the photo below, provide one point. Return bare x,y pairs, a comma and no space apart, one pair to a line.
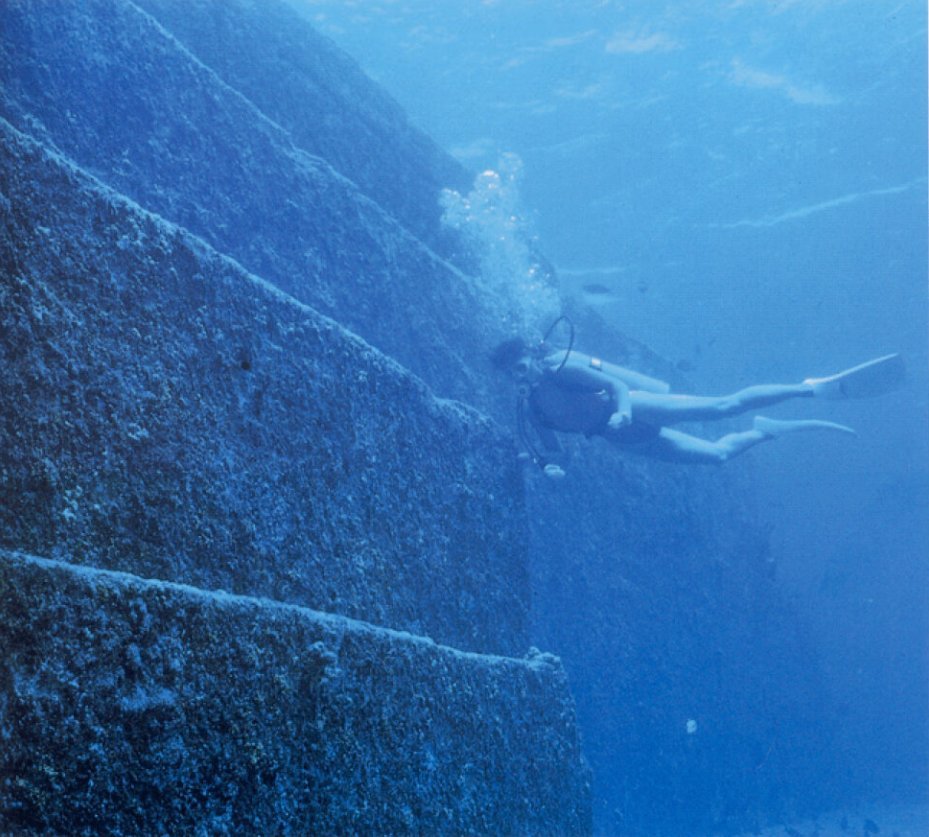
675,446
874,377
663,409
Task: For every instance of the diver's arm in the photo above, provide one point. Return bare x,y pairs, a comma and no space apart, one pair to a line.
623,414
632,379
576,375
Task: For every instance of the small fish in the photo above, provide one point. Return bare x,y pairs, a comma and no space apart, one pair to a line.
597,289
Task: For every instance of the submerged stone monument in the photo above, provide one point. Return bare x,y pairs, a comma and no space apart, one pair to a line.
257,576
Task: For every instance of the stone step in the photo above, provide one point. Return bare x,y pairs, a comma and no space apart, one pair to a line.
167,413
138,707
157,124
299,78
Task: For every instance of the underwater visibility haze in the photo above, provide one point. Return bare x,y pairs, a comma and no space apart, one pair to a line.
275,555
742,187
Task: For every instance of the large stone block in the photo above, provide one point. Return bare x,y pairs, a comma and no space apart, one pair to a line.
167,413
137,707
307,85
107,85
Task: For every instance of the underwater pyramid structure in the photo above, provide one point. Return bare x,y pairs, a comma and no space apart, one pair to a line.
268,561
247,584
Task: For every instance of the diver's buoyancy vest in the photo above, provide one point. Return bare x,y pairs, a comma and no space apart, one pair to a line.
570,410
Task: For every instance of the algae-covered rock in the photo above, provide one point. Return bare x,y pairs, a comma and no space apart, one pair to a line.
139,707
106,84
169,414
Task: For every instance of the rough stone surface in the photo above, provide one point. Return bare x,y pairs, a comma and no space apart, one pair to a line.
168,414
136,707
107,85
302,81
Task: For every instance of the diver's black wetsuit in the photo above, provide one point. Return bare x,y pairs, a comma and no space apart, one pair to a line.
557,403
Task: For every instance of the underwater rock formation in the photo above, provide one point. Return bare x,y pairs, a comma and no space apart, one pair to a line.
322,99
105,84
695,692
143,707
230,324
175,417
195,464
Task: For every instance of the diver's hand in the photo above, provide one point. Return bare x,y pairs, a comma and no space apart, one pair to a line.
619,420
553,472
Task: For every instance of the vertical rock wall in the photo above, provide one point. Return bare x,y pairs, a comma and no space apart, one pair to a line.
699,699
141,707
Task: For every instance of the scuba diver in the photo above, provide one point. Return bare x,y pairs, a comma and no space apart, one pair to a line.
571,392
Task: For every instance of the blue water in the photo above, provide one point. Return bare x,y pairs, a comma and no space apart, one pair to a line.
742,187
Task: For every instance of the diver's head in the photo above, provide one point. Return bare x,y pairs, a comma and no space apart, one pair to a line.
518,359
509,354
